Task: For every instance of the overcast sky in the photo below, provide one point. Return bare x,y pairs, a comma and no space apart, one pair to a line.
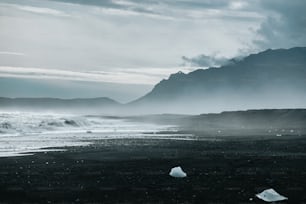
82,44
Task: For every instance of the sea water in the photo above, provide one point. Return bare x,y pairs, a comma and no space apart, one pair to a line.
22,133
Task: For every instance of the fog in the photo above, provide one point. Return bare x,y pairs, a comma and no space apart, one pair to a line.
225,101
68,89
191,104
271,79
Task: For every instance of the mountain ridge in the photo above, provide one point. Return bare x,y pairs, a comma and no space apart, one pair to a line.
271,79
268,77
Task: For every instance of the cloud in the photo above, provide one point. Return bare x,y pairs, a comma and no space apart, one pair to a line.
39,73
186,4
236,5
136,41
122,12
284,25
205,61
33,7
148,76
40,10
121,39
105,35
104,3
11,53
169,9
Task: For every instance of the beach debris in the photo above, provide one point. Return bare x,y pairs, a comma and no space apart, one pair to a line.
177,172
278,135
270,195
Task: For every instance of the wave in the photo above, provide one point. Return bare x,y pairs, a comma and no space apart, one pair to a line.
22,123
62,122
22,133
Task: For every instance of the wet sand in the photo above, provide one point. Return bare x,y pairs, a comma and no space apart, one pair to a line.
231,170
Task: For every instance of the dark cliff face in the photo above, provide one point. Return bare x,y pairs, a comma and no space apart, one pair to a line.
269,79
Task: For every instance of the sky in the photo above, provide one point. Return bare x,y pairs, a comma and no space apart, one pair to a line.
122,48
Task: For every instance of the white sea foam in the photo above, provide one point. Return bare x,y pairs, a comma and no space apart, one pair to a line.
24,132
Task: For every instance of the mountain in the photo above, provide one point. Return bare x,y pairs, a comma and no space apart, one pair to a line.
102,104
269,79
272,79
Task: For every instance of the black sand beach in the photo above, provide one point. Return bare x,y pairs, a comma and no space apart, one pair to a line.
136,171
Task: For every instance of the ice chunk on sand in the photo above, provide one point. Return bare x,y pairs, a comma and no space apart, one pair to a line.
177,172
270,195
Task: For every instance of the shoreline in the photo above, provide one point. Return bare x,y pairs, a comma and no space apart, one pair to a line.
136,171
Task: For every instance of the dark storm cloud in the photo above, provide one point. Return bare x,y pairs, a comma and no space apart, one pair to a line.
285,24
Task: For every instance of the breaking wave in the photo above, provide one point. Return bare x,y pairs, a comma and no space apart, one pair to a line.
26,123
22,133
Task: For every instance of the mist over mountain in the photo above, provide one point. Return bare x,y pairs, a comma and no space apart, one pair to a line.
272,79
237,123
269,79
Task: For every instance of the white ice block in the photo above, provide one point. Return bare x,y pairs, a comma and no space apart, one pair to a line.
270,195
177,172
